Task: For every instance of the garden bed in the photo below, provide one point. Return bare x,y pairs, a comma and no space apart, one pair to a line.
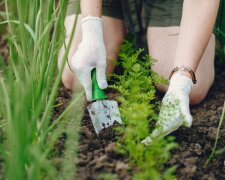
98,156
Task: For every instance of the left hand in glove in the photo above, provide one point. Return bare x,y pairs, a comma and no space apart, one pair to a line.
175,110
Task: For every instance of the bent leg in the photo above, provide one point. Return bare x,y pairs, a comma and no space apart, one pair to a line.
113,32
162,45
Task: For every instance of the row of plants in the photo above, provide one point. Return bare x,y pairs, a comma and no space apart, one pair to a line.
29,83
139,109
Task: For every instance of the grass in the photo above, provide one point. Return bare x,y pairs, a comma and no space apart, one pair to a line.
28,87
139,110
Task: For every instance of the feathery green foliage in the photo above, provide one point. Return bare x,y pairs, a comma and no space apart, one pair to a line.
138,110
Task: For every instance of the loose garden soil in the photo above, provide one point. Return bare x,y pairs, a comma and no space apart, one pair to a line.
98,155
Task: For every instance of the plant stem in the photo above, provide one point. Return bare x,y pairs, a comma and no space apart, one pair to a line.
217,137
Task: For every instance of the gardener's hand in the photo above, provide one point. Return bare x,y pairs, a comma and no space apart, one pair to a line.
90,54
175,108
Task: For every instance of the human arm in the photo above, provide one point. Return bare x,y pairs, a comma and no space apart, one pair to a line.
197,23
196,27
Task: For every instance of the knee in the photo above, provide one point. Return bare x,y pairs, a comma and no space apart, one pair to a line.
113,47
112,50
68,81
197,95
200,90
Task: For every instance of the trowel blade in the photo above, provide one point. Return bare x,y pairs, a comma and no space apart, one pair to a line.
103,113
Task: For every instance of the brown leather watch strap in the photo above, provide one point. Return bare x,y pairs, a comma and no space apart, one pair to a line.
185,69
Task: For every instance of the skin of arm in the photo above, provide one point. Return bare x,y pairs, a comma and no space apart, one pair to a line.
196,27
91,8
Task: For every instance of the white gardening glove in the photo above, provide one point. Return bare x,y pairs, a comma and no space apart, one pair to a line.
90,54
175,110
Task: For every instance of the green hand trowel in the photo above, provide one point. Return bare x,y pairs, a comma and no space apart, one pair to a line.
103,112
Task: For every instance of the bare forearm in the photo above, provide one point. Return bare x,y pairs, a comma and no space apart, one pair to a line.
91,8
197,23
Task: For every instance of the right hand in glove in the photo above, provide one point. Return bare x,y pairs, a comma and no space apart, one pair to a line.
90,54
175,110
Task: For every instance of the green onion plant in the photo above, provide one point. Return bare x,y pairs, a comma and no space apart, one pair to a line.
28,88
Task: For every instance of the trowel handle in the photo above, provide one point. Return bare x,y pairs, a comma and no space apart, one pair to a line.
97,93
